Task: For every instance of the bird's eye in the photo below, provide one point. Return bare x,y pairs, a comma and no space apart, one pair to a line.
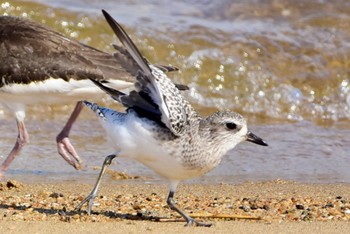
231,126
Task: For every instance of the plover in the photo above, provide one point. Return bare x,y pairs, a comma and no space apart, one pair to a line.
161,129
41,66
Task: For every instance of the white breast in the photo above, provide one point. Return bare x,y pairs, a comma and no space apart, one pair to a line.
133,138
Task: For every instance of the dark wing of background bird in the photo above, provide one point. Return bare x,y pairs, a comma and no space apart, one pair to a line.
56,56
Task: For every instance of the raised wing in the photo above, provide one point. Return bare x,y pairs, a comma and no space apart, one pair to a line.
123,56
138,101
56,56
153,86
125,59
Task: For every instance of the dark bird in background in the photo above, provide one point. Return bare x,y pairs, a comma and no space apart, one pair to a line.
39,66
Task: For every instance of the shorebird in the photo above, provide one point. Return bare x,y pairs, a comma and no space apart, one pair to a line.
41,66
161,129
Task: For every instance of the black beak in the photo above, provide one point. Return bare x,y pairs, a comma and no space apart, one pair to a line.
255,139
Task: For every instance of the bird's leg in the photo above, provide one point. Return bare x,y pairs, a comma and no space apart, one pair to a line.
64,147
22,139
90,198
190,221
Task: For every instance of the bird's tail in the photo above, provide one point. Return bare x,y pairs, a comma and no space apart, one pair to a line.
105,114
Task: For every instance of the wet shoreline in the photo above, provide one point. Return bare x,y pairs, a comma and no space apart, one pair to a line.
321,159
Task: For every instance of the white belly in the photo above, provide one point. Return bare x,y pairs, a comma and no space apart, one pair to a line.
135,141
52,91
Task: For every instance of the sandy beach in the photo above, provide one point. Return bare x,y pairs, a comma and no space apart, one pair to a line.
132,207
284,65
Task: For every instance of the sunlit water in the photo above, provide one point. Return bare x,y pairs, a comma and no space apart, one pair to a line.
283,64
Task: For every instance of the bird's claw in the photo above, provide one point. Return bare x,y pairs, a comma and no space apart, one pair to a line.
192,222
90,199
68,153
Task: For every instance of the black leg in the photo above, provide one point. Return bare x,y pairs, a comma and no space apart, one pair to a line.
190,221
90,198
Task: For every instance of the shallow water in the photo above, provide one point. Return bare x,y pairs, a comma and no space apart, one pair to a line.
283,64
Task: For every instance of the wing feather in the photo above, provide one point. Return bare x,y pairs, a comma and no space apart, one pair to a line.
153,81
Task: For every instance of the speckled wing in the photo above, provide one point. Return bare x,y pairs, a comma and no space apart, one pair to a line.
130,65
152,81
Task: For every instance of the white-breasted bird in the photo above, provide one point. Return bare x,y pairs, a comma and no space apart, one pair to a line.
162,130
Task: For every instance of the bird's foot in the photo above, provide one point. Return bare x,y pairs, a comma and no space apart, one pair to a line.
67,151
90,199
192,222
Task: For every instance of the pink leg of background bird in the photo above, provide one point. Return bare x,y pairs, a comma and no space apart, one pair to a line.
22,139
64,147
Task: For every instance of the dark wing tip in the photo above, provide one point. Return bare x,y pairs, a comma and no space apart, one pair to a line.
166,68
182,87
115,94
128,43
106,14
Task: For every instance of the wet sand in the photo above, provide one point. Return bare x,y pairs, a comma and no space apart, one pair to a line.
273,207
